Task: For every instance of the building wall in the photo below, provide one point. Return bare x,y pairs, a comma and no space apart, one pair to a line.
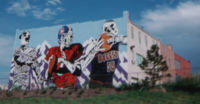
136,37
168,55
183,70
43,38
142,42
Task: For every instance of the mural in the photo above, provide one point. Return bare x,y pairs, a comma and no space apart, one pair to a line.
96,61
104,64
24,73
65,61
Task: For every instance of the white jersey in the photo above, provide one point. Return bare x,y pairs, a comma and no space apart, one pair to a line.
23,73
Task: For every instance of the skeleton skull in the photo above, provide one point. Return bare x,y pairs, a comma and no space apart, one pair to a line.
110,27
24,38
66,39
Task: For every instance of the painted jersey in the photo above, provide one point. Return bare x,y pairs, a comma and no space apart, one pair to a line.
104,64
62,77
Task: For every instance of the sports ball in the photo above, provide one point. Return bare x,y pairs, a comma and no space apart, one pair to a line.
106,45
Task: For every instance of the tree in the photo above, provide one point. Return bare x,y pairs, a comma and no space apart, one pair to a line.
153,65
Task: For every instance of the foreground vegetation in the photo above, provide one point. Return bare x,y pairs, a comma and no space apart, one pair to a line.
128,97
191,85
185,91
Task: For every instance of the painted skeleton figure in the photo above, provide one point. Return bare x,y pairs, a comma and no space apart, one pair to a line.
66,61
105,62
25,65
111,29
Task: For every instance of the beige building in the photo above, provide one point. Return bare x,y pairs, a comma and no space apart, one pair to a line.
139,41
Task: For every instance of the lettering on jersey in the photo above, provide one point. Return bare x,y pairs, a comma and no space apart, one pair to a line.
111,66
107,56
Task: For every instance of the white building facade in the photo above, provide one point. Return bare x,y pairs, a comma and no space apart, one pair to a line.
139,42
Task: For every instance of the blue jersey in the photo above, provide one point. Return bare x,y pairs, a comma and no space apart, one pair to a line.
104,65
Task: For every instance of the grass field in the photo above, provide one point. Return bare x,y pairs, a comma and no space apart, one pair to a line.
128,97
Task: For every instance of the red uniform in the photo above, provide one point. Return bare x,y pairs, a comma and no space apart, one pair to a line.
62,77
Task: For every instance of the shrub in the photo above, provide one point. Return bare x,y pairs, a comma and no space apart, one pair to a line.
187,84
8,93
70,91
101,89
53,90
37,91
44,91
25,92
17,88
80,92
0,91
63,91
134,86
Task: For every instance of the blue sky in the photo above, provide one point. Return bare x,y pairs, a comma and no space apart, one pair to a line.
174,22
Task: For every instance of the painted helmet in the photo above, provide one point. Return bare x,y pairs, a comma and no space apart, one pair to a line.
63,31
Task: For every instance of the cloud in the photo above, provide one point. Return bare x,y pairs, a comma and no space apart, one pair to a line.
60,9
178,26
46,14
184,18
6,46
19,7
173,23
42,11
53,2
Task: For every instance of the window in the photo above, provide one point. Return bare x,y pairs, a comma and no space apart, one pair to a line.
169,63
177,64
139,36
139,59
132,33
132,57
154,41
146,41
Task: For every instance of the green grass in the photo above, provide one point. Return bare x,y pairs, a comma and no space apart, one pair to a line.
129,97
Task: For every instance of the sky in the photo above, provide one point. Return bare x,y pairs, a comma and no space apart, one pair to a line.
175,22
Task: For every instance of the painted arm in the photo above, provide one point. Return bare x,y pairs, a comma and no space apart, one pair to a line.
81,63
73,68
91,50
18,62
118,39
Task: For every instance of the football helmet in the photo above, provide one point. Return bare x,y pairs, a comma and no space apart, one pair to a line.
65,36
